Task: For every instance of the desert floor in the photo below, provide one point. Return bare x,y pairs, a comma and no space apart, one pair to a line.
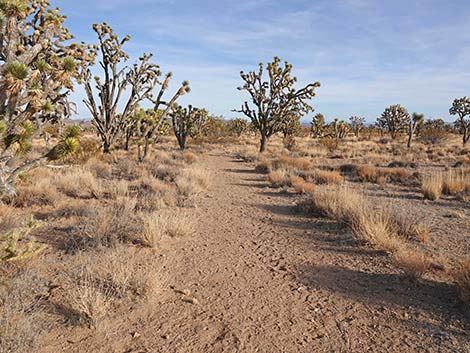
257,275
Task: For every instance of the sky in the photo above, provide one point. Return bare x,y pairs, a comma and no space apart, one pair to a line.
367,54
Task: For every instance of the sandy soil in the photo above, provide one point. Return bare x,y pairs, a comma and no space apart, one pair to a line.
258,277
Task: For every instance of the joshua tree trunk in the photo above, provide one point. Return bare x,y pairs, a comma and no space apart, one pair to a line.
411,131
106,146
466,136
263,142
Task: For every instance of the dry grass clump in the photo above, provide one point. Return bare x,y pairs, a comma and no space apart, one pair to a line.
264,166
101,278
455,182
191,181
397,175
461,277
380,176
107,226
290,163
99,168
368,224
159,224
89,300
278,178
42,192
431,186
328,177
300,185
189,157
406,225
368,173
9,218
248,154
413,263
79,183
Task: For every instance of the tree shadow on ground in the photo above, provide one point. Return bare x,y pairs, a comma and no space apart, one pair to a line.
387,289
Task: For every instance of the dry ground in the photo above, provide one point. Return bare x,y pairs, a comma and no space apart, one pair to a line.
255,274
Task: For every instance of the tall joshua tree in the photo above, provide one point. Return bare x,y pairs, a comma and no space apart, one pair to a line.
461,108
394,119
187,122
416,121
274,99
138,81
38,64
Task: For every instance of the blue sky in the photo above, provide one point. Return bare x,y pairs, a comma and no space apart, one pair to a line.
367,54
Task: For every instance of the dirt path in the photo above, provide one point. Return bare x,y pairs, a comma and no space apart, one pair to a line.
266,279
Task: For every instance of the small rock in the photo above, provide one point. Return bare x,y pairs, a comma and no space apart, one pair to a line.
190,300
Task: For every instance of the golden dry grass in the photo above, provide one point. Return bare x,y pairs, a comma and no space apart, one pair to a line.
413,263
278,178
461,277
300,185
431,186
328,177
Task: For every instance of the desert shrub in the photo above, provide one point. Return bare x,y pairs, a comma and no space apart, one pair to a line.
248,154
41,193
300,185
189,157
431,186
461,277
99,168
107,226
368,173
290,163
88,299
165,172
263,166
21,314
278,178
330,144
413,263
397,175
190,182
433,136
328,177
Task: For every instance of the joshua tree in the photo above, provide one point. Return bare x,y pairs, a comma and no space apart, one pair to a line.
143,129
461,108
318,126
394,120
416,122
275,99
238,126
339,129
187,122
357,124
37,67
290,126
139,80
